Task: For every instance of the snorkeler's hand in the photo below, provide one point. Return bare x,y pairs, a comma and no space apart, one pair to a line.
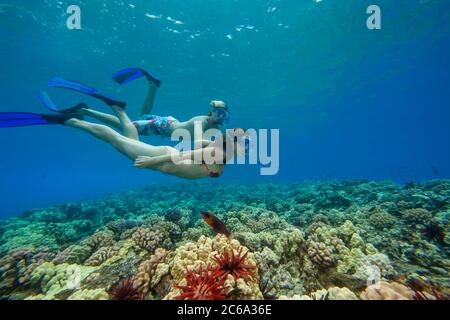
142,162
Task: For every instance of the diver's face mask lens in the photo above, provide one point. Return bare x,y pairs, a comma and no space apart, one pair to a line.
221,115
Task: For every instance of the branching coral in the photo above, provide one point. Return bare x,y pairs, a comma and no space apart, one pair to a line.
207,285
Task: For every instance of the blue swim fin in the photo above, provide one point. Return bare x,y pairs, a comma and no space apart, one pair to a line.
126,75
79,87
48,103
22,119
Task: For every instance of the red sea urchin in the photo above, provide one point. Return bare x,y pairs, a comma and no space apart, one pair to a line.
125,290
231,263
206,285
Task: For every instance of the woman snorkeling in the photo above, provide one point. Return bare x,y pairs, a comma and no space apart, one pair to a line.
192,164
150,124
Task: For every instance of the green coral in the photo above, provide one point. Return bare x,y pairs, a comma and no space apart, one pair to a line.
89,294
416,216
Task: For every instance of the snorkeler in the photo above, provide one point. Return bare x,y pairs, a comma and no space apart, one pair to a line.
159,158
150,124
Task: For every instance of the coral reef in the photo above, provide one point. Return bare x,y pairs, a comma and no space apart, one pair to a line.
148,239
190,256
126,290
100,256
204,285
231,263
329,240
383,290
87,294
147,270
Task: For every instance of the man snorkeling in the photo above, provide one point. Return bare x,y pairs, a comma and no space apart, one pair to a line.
150,124
159,158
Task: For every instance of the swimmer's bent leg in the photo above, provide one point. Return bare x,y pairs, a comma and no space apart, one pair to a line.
103,117
120,122
128,128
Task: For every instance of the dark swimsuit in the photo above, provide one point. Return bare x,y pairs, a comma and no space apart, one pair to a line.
212,174
215,174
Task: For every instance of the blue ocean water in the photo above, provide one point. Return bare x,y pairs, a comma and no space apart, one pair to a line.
349,102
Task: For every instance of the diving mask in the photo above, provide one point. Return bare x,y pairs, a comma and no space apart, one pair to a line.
222,114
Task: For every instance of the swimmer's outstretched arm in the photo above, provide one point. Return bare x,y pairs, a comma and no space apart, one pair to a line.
152,162
198,144
144,162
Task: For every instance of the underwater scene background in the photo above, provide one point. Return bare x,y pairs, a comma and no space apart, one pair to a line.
362,193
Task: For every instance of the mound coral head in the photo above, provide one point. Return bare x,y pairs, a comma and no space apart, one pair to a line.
208,285
231,263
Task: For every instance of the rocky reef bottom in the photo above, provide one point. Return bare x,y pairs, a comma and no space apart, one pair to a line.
312,240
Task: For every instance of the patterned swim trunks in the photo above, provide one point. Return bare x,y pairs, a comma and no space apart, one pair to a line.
154,125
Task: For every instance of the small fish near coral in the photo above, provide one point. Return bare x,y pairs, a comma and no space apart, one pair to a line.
215,223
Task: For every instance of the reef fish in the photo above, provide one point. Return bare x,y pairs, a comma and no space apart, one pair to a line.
215,223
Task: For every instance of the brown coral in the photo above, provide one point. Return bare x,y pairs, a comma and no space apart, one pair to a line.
321,254
100,239
383,290
120,226
17,265
100,256
147,239
147,269
381,219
